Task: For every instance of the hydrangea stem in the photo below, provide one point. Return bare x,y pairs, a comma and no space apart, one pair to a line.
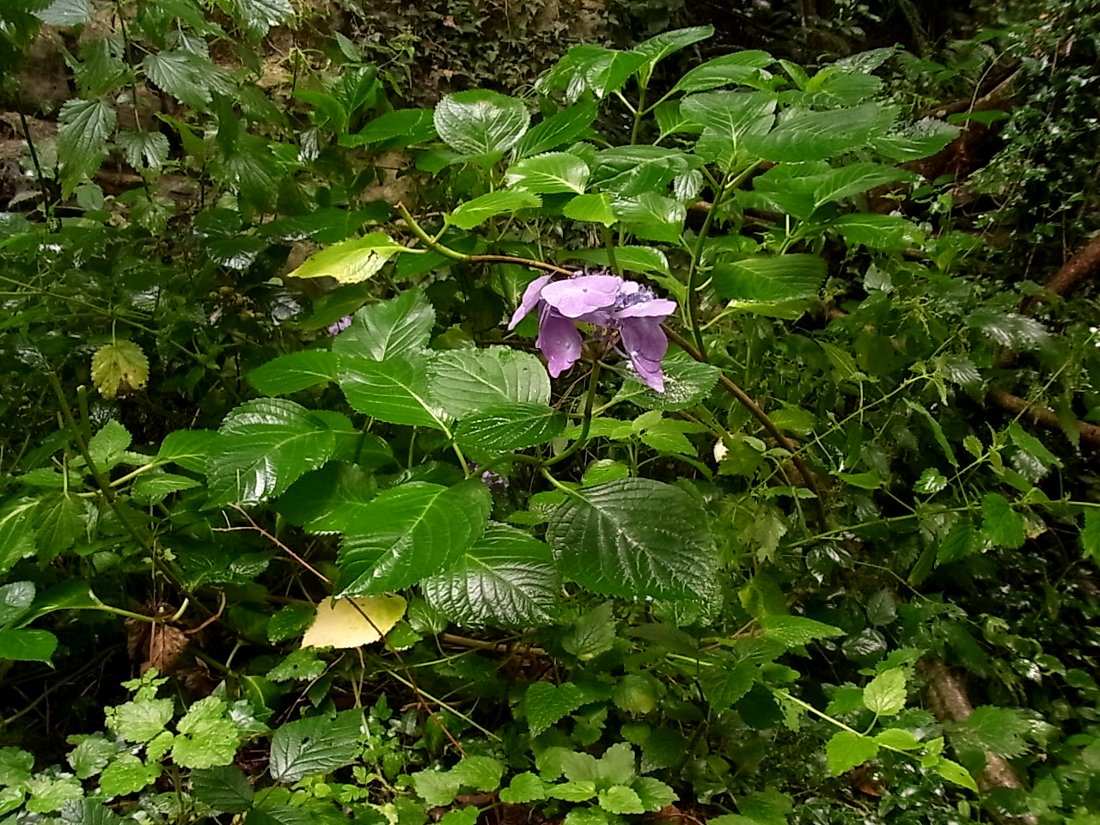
586,423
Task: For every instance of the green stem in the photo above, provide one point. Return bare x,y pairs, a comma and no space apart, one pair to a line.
638,113
586,423
693,273
612,258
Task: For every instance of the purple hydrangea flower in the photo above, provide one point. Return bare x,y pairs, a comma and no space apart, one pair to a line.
623,309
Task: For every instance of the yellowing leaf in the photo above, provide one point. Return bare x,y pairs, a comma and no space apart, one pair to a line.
351,261
119,367
353,622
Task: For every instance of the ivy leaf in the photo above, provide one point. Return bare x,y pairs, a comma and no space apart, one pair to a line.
400,326
549,174
557,130
66,13
634,537
82,132
27,645
480,123
475,212
545,703
506,427
352,261
262,447
470,380
394,390
119,367
885,694
346,623
224,789
506,577
410,532
294,372
315,745
847,750
1002,525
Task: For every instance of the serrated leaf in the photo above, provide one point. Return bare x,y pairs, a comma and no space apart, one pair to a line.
186,76
855,179
653,793
315,746
549,174
796,631
60,520
475,212
108,446
66,13
635,537
898,739
480,123
725,685
885,694
506,577
394,390
399,326
409,533
1090,535
27,645
646,259
651,216
258,16
887,233
847,750
119,367
619,799
1009,329
728,118
344,623
187,448
996,730
126,775
294,372
482,773
808,135
207,736
546,703
470,380
352,261
524,787
1002,525
224,789
153,488
602,70
506,427
557,130
144,149
593,208
263,446
686,383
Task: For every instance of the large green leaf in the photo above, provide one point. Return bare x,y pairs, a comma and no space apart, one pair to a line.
746,68
480,123
645,259
887,233
399,326
66,13
634,537
557,130
470,380
16,599
602,70
652,216
185,75
408,533
507,427
506,577
394,390
351,261
82,132
330,499
728,118
187,448
315,745
60,519
687,382
594,208
659,47
807,136
294,371
774,280
549,174
259,16
27,645
410,125
262,447
919,140
224,789
502,202
855,179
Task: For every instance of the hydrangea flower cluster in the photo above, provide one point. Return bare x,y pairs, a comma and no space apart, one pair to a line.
623,311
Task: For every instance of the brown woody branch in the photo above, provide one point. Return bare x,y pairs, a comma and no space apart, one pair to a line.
1043,416
1082,266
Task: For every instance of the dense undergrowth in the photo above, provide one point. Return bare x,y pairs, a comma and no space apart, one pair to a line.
295,524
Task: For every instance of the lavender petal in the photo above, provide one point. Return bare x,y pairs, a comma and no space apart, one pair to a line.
558,340
646,344
575,297
530,299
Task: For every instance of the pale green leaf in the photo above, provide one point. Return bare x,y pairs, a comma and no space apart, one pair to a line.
351,261
480,123
399,326
546,703
847,750
885,694
66,13
82,132
294,372
549,174
593,208
796,631
475,212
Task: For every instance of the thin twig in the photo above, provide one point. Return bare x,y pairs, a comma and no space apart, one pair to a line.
274,540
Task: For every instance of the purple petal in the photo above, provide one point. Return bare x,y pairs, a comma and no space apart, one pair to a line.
559,341
530,298
575,297
659,308
646,345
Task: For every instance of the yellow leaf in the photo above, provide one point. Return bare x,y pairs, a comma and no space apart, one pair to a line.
353,622
119,367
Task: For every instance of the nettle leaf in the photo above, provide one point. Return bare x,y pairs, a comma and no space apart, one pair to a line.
399,326
1002,525
886,233
410,125
315,745
185,75
259,16
294,372
634,537
480,123
471,380
507,427
1090,535
743,68
996,730
545,703
410,532
885,694
82,132
804,136
506,577
262,447
66,13
394,390
475,212
756,284
593,208
144,149
847,750
549,174
352,261
1009,329
557,130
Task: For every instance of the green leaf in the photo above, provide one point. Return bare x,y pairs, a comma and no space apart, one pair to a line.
187,448
207,736
27,645
549,174
471,380
805,136
475,212
728,118
634,538
725,685
506,427
16,599
1002,525
995,730
144,149
602,70
956,773
399,326
557,130
352,261
410,125
1009,329
687,382
66,13
294,372
140,720
409,533
593,634
887,233
329,499
482,773
436,787
898,739
745,68
127,775
659,47
652,216
525,787
756,284
1090,535
153,488
619,799
224,789
108,446
259,16
796,631
848,750
315,745
915,141
262,447
546,703
593,208
506,577
82,132
653,793
61,519
885,694
645,259
480,123
394,390
855,179
185,75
